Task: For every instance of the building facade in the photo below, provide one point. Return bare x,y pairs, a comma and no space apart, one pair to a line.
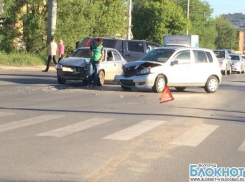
237,19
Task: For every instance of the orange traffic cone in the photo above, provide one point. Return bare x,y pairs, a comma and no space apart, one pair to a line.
166,94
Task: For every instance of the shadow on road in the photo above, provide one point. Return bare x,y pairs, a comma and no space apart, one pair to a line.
225,118
218,110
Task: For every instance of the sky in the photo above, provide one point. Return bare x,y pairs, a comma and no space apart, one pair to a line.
227,6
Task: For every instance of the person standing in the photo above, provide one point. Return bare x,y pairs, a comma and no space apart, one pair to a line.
51,53
61,50
97,54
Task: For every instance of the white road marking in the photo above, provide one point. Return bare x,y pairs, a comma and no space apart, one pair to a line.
195,136
135,130
27,122
67,130
5,114
242,147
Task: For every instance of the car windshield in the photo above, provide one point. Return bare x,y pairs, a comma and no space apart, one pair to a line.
84,53
235,59
158,55
219,54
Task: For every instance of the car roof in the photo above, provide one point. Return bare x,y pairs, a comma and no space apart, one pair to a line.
106,48
112,38
184,48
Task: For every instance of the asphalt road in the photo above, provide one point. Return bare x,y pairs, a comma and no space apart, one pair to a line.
51,132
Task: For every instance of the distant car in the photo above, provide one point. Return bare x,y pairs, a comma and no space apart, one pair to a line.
224,61
76,67
238,63
175,67
131,50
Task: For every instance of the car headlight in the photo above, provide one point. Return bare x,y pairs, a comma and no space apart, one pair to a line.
145,71
58,66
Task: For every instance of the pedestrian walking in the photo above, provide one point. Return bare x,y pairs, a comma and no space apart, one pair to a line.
51,53
97,54
61,50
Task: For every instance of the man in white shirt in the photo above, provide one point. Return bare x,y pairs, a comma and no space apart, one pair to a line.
51,53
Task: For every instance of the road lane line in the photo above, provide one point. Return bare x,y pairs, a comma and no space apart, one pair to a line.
5,114
195,135
27,122
67,130
135,130
242,147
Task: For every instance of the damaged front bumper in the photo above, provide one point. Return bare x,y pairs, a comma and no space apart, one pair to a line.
141,81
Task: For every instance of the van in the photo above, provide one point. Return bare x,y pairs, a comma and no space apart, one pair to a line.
131,50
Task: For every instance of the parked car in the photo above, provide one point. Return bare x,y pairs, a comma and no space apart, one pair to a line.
238,63
173,66
76,67
224,61
131,50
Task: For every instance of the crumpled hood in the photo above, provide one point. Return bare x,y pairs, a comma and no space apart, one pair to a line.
136,64
74,61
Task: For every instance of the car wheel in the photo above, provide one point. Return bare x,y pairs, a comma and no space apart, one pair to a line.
160,84
180,89
239,72
211,85
61,81
101,78
229,72
125,88
85,82
225,72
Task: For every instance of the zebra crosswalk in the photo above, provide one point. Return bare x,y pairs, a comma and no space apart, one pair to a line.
193,136
67,130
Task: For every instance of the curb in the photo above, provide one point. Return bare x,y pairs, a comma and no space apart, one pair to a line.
26,68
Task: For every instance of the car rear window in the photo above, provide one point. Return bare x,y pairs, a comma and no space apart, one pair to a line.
110,43
81,53
219,54
135,46
210,58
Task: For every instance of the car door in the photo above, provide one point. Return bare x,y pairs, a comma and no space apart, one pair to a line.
179,72
108,65
201,69
133,50
118,63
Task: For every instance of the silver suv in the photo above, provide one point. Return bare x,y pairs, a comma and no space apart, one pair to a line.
224,61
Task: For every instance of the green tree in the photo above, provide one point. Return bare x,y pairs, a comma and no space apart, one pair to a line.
201,22
9,32
90,18
34,17
227,34
153,19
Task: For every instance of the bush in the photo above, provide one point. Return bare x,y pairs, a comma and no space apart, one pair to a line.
21,59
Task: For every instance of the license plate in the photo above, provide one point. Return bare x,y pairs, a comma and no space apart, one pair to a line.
67,69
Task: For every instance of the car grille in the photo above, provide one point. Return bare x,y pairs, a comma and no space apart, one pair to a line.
129,71
127,82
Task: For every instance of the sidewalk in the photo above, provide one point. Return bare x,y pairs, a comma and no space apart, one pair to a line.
26,68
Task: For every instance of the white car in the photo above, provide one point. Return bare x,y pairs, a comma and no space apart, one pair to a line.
173,66
237,63
76,67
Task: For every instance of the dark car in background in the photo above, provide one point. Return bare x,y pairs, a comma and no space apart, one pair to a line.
131,50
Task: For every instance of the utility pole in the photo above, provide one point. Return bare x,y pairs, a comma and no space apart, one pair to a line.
188,14
52,16
129,19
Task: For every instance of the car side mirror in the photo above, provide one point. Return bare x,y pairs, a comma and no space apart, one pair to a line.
174,62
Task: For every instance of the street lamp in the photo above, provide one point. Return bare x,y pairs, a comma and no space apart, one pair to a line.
188,14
